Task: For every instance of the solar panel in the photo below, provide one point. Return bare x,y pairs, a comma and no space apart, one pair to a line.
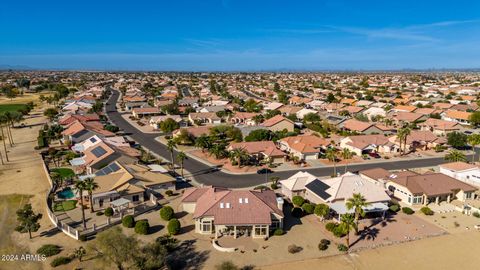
99,151
319,188
93,139
112,167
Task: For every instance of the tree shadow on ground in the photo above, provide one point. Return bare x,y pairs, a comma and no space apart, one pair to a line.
186,257
156,228
289,221
180,215
187,229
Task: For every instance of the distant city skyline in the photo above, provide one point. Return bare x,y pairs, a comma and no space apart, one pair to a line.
230,35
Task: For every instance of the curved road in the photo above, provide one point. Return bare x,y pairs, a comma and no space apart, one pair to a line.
207,175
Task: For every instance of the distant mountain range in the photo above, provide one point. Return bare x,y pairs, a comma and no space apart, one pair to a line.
280,70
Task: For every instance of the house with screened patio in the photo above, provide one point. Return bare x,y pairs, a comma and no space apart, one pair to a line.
225,212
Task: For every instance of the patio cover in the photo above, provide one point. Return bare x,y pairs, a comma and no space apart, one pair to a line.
120,202
341,209
157,168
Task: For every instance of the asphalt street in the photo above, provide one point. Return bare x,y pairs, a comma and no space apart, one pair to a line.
207,175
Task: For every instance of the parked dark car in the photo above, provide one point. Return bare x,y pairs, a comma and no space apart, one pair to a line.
374,155
264,171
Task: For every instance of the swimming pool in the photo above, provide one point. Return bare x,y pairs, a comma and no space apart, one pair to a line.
66,193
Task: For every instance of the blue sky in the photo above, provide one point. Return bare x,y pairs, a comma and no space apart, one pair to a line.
205,35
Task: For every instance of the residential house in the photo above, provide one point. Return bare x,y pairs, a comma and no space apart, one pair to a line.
364,144
457,116
279,123
467,173
156,120
295,184
262,150
418,190
440,127
145,112
243,118
221,211
335,191
204,118
305,147
360,127
133,182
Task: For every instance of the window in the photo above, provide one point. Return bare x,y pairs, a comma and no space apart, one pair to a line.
468,195
261,230
100,202
221,205
135,198
207,226
227,205
240,200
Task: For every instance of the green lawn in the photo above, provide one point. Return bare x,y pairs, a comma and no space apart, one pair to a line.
64,172
11,107
65,205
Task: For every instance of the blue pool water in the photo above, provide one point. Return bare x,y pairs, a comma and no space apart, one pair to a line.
67,193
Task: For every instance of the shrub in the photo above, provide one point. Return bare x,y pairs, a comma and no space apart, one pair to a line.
330,226
476,214
173,226
298,201
49,250
427,211
407,210
325,241
60,261
297,212
169,192
142,227
128,221
99,214
273,186
308,208
342,248
278,232
82,237
292,249
323,245
166,213
321,210
226,265
109,212
394,208
339,231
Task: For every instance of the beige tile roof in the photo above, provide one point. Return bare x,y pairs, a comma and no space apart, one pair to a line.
432,184
458,166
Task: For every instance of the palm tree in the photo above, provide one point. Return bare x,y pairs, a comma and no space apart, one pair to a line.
171,145
3,120
80,187
348,222
346,155
90,186
455,156
402,137
238,154
332,157
474,140
181,156
203,142
357,202
57,179
9,122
